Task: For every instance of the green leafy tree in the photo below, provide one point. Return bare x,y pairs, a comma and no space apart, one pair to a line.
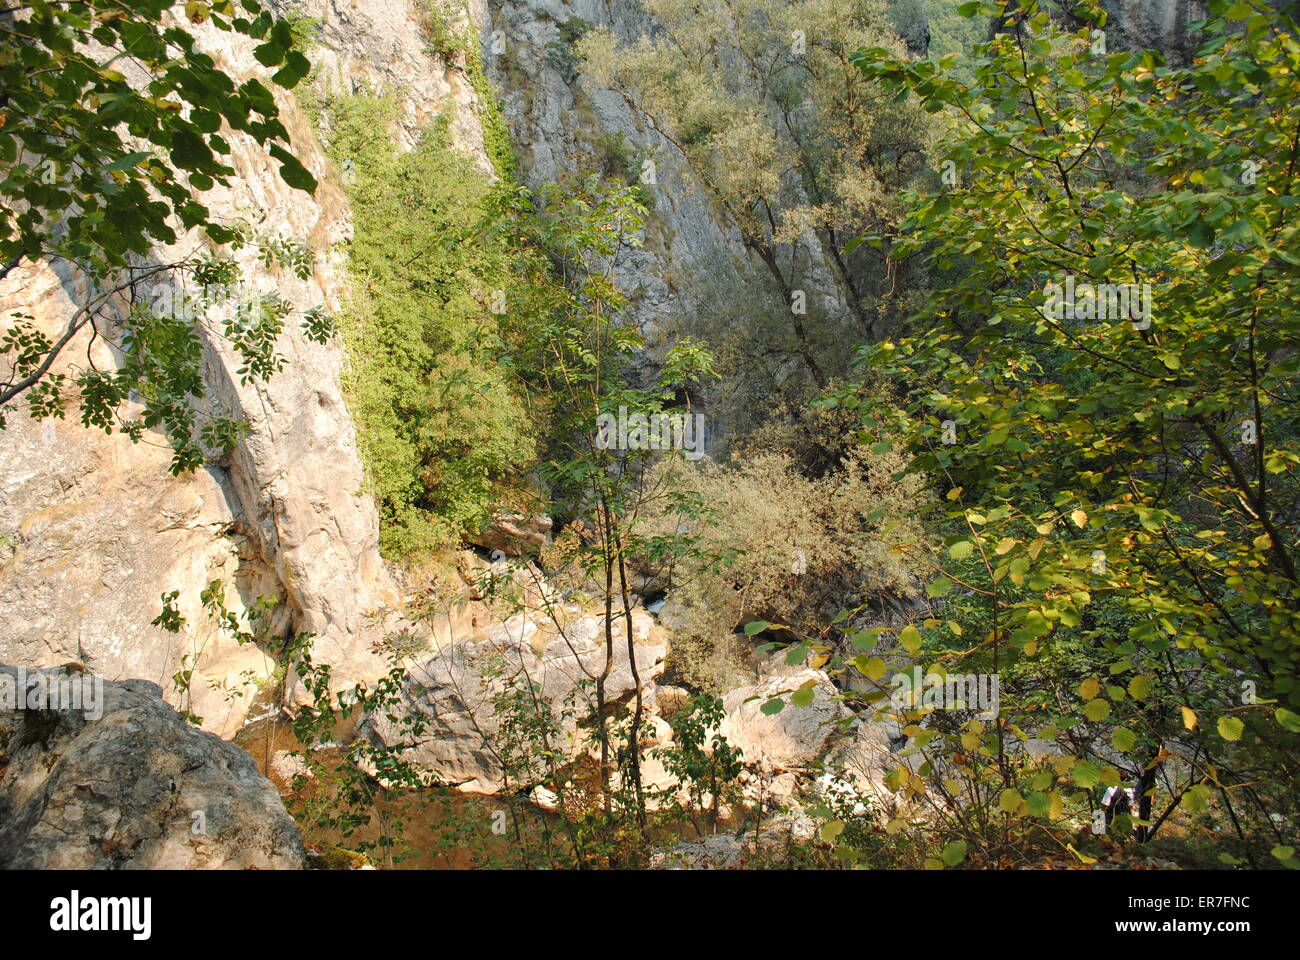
599,482
704,764
436,311
1119,474
113,123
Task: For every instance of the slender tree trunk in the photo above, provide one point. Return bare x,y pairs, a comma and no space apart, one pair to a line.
768,256
634,746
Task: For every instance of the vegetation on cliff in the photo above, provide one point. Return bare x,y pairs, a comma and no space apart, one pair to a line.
997,566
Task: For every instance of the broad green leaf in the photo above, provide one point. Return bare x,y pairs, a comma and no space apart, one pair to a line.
1230,728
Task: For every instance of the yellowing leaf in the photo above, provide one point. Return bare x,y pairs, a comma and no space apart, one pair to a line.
1083,858
1189,717
873,668
1097,710
910,638
1230,728
1089,688
1196,800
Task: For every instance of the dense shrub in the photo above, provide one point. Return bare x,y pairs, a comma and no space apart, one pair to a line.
440,422
802,548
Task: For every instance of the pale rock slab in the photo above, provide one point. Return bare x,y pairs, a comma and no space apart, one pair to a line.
452,693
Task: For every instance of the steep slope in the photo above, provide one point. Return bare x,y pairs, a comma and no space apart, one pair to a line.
94,529
562,123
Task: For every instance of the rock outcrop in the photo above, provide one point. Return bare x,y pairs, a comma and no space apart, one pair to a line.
514,534
126,783
794,738
693,263
1146,25
558,119
1157,25
95,529
449,722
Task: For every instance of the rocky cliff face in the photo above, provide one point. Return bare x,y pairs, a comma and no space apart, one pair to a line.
94,529
562,122
1148,25
1159,25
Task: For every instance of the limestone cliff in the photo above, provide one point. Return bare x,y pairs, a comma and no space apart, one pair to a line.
94,529
562,122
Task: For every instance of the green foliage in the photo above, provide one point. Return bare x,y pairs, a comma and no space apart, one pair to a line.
441,28
256,629
304,28
1121,494
950,32
790,544
496,135
441,422
703,763
162,352
64,144
601,485
561,52
97,172
621,161
366,792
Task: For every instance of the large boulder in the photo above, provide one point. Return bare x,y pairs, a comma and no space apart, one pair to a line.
791,740
514,534
448,724
124,782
